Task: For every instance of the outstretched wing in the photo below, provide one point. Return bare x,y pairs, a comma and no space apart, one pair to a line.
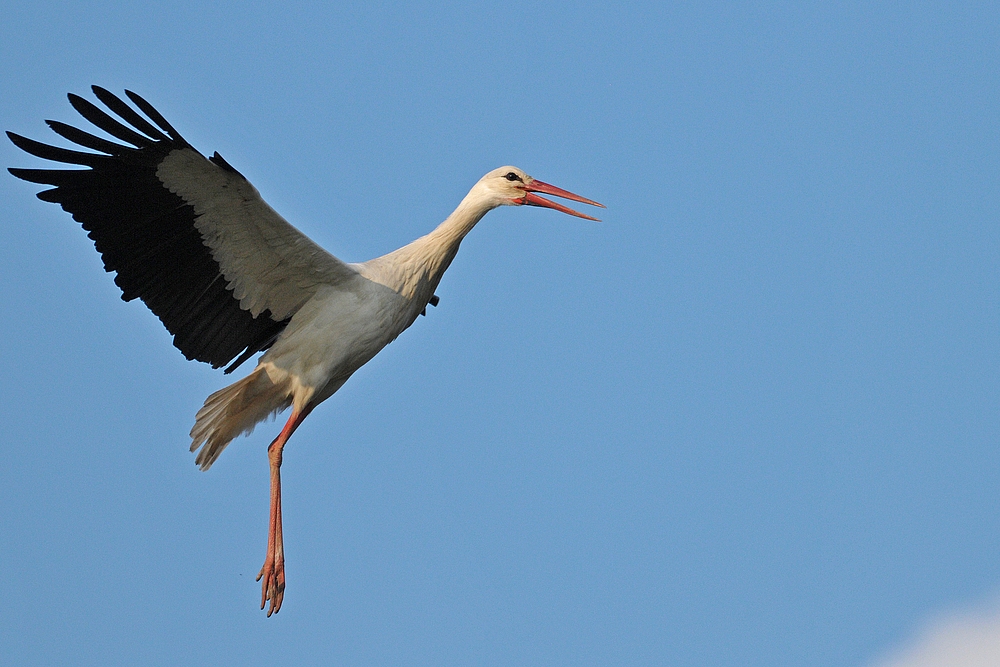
189,236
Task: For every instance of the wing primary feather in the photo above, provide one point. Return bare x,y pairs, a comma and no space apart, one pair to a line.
42,176
155,116
87,140
46,152
102,120
49,195
128,114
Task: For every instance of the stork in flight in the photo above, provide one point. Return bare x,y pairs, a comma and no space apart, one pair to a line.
229,277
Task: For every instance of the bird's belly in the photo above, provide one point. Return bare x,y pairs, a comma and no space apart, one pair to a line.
332,336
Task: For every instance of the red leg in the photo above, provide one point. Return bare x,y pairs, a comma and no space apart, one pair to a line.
273,572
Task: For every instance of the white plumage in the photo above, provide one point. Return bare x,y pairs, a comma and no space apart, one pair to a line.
229,277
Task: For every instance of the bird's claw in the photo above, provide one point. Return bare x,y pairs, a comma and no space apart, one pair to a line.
273,586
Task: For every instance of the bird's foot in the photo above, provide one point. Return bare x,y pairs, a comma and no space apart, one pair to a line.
272,578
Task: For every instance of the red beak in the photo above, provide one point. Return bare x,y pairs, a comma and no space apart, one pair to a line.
538,186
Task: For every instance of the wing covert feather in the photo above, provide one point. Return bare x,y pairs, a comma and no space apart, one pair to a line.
267,263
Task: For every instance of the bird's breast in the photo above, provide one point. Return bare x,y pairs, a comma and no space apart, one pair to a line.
336,332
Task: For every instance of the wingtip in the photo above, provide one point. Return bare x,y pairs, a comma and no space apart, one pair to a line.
102,93
78,103
18,140
22,174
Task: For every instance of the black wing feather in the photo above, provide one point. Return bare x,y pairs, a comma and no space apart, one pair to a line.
145,233
128,114
46,152
86,139
102,120
155,116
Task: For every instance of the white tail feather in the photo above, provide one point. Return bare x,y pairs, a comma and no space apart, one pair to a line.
235,410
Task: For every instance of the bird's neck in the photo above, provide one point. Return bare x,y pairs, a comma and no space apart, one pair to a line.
449,234
415,270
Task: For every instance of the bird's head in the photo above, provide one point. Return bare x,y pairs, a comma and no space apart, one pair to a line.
510,186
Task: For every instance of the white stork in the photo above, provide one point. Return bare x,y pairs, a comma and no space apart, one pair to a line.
229,277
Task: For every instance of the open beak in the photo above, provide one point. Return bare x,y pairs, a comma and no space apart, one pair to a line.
532,199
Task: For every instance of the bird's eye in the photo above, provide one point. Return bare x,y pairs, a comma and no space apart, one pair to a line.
511,176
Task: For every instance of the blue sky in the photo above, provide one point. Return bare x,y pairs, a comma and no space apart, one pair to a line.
749,419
